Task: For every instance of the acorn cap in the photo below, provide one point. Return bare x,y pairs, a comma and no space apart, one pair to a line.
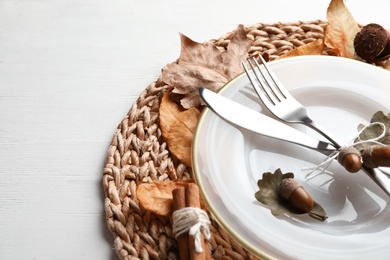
371,42
367,156
346,151
288,186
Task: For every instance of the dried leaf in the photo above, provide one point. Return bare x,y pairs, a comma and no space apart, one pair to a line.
313,48
177,127
269,195
375,130
157,196
204,65
341,29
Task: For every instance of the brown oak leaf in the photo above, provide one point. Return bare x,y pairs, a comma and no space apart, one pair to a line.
341,29
177,128
204,65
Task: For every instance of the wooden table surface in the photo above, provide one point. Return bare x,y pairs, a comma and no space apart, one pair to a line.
69,72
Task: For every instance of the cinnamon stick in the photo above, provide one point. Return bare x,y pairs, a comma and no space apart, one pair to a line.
179,202
192,200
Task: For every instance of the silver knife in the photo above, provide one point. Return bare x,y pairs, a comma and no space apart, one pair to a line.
254,121
251,120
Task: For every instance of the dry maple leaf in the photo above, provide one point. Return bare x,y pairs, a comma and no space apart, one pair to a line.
177,127
341,29
157,196
204,65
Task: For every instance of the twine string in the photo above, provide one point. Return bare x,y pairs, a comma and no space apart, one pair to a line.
326,163
193,220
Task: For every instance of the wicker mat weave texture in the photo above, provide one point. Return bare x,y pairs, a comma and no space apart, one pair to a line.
138,154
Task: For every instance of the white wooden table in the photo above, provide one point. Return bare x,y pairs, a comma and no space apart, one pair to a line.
69,72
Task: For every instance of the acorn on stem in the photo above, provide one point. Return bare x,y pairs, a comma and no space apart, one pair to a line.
350,158
372,43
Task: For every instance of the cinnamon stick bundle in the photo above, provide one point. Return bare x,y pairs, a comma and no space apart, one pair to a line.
189,197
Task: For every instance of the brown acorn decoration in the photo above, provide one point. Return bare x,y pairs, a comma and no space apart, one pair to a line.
376,155
292,190
350,158
285,195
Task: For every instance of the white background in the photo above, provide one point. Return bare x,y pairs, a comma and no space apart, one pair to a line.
69,72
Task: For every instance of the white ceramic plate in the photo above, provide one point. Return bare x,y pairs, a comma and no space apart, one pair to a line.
228,162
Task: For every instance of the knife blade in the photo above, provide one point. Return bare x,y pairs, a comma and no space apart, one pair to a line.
251,120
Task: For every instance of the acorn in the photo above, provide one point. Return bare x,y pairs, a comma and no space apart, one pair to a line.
376,155
372,43
349,157
291,190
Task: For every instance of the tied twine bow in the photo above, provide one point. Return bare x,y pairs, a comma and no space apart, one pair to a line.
195,221
325,164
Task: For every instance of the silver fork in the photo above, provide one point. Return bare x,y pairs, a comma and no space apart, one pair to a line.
284,106
279,101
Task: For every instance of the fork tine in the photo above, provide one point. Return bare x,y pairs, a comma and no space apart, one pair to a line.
275,80
256,84
261,86
268,83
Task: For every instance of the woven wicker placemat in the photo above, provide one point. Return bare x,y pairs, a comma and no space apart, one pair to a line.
138,154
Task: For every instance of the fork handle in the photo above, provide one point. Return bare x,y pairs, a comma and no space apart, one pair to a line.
378,177
337,143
